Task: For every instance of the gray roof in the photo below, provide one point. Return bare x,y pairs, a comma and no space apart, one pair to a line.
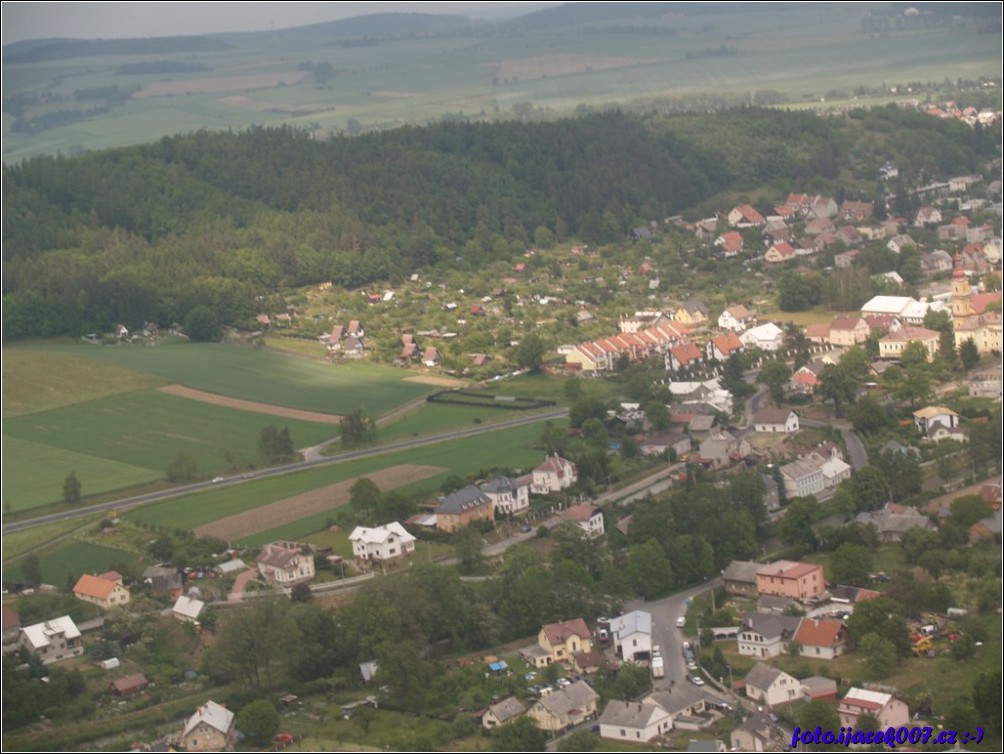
214,715
630,714
500,484
771,626
772,603
683,697
762,676
901,522
462,500
801,468
507,709
772,415
577,696
637,621
741,570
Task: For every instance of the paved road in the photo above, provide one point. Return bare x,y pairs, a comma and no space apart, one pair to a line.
858,456
413,442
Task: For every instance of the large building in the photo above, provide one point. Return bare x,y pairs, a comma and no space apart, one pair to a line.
463,507
970,316
786,578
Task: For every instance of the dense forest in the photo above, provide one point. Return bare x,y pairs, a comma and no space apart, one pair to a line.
147,233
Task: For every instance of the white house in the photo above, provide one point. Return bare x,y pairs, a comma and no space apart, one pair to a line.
770,419
381,543
188,609
510,497
637,722
736,318
767,336
53,640
801,478
286,563
890,711
763,635
589,518
554,475
772,686
632,634
502,712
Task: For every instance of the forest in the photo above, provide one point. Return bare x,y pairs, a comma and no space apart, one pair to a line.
148,233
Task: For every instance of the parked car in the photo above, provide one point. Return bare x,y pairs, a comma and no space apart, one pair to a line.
696,680
681,621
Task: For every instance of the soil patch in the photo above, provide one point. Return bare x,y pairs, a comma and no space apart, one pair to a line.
310,503
428,379
262,408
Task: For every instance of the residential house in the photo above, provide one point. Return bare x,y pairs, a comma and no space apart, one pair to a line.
819,226
52,640
744,216
563,640
766,635
736,318
845,259
286,563
822,639
352,348
757,733
768,337
632,635
686,705
565,707
848,331
890,711
721,449
128,685
589,518
105,593
786,578
430,357
637,722
740,578
987,384
779,253
511,497
188,609
381,543
802,478
731,243
936,262
822,206
856,211
502,712
987,528
771,686
819,687
11,625
927,418
164,579
771,419
720,347
463,507
899,242
927,216
805,380
691,313
835,471
661,442
683,356
893,521
211,728
892,345
553,475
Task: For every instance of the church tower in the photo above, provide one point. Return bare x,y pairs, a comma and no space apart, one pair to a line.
961,293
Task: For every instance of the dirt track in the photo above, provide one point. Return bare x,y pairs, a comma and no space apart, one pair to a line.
433,380
282,512
243,405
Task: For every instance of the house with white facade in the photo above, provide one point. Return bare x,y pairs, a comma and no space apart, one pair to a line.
636,722
511,497
632,635
589,518
764,635
736,318
771,419
381,543
52,640
771,686
890,711
768,337
286,563
553,475
802,478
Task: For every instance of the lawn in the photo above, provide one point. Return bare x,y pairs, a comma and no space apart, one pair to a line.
265,376
130,439
73,558
510,447
20,542
38,381
436,417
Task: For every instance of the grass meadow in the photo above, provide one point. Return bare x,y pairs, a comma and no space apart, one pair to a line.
264,376
74,558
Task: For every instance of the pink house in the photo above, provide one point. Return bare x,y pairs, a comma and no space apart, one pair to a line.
786,578
889,710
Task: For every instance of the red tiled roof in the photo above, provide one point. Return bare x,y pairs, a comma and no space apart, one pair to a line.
559,633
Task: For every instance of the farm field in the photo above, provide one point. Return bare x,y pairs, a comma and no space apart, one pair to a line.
432,417
21,542
264,376
511,447
130,439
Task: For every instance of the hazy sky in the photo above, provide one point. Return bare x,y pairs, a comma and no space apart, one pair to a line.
37,20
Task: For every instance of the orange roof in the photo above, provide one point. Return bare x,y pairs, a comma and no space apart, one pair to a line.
819,633
94,587
980,301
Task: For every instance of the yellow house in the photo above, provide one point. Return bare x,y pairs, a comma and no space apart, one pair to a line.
691,313
564,640
103,592
891,346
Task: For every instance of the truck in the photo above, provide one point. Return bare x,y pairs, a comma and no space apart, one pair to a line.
658,666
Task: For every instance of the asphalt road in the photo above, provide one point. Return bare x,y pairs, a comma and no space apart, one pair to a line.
350,455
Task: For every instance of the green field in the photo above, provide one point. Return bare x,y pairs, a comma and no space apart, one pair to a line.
510,447
75,558
264,376
18,543
130,439
436,417
37,381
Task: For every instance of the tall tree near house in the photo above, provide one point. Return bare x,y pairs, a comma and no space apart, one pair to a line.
775,375
969,354
358,428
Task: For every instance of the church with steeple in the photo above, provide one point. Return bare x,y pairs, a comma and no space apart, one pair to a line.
976,317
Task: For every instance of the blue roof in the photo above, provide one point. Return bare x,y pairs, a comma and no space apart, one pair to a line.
498,666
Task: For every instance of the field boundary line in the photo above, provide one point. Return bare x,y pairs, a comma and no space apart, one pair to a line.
241,404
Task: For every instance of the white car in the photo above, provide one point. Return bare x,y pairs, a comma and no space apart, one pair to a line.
681,621
217,479
696,680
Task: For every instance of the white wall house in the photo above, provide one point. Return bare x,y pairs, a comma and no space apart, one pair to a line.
386,542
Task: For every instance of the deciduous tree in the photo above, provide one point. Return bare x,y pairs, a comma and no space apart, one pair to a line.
71,488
